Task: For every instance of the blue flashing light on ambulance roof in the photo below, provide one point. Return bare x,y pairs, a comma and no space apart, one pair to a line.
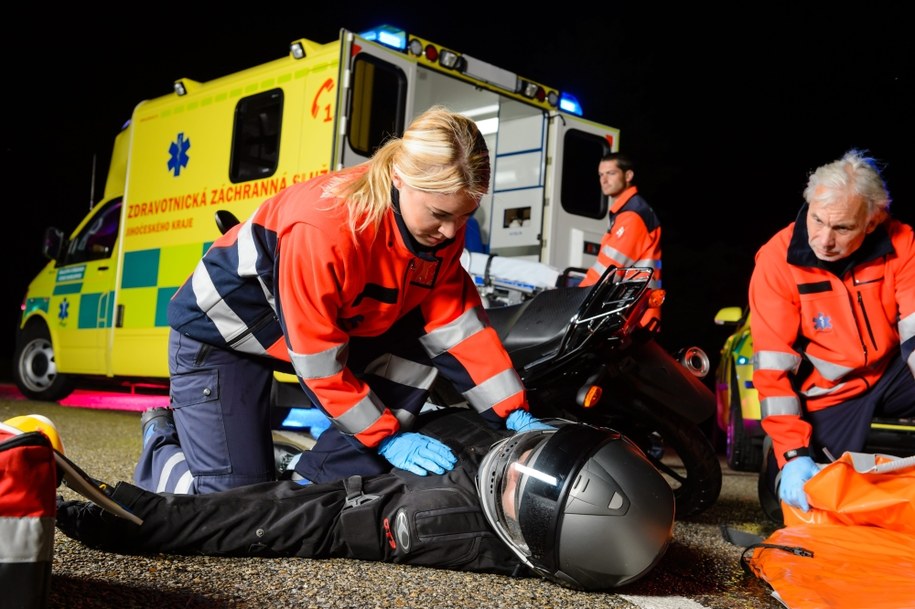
568,103
387,35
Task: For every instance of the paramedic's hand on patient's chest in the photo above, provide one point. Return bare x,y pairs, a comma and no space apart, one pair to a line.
795,474
417,453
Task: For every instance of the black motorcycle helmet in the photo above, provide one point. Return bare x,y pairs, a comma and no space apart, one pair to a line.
581,505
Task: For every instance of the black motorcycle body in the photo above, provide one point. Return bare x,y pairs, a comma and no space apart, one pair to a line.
569,344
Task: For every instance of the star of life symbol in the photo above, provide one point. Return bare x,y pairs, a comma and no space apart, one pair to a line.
822,322
63,312
177,152
619,232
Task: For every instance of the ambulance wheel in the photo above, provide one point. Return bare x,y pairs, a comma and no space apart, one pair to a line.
35,368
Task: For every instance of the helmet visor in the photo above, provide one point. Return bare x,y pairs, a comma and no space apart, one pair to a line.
505,472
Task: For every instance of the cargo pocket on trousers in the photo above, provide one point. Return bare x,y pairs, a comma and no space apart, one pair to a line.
198,413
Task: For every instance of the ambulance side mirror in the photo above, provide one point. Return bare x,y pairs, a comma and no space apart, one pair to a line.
225,220
54,244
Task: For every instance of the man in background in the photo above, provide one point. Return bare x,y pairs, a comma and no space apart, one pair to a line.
633,236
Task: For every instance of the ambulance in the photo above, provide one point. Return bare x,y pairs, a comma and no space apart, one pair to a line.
97,310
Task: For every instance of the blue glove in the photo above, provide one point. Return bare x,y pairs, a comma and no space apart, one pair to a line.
417,453
795,474
521,420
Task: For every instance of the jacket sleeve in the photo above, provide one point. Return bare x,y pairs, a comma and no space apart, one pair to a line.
310,297
775,314
463,346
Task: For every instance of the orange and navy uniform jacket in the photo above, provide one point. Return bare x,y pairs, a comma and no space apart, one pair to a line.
294,283
633,238
829,332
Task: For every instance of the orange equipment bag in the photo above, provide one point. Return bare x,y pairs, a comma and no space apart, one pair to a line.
855,547
28,511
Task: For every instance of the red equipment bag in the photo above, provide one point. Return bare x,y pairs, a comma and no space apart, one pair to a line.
28,510
855,548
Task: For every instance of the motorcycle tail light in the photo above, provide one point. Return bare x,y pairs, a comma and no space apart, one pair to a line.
592,396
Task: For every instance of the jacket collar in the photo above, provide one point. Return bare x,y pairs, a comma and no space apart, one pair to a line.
415,247
622,199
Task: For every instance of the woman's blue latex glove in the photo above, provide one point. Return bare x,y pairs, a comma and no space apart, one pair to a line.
417,453
795,474
521,420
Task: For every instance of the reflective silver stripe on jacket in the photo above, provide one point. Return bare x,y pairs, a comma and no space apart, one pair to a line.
320,365
776,360
781,405
230,326
403,371
815,392
598,268
655,283
906,328
494,390
361,415
247,260
442,339
404,417
615,254
828,370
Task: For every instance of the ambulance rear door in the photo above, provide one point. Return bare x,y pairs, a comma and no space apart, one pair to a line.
375,97
577,213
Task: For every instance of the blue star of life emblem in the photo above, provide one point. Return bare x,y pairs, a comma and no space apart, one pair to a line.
822,322
178,157
64,311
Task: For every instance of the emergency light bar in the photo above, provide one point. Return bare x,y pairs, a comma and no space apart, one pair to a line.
387,35
568,103
508,81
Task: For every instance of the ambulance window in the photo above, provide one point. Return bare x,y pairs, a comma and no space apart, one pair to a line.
377,104
256,136
581,193
96,240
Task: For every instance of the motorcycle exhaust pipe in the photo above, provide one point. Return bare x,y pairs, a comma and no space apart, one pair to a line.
695,360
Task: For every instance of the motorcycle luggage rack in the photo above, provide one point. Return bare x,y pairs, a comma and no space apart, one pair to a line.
610,302
617,289
611,310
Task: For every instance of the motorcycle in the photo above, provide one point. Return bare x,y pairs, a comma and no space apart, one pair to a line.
582,355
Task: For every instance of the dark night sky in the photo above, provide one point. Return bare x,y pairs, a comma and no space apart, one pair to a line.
724,113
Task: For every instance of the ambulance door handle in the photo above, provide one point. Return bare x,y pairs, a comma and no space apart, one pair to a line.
103,268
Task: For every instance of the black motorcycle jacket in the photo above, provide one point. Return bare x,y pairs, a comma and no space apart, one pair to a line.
432,521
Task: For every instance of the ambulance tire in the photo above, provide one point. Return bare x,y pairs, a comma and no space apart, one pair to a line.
34,368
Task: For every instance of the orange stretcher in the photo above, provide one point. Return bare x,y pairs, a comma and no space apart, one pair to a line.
855,548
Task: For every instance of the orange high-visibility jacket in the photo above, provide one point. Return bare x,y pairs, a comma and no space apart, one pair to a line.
633,238
294,283
845,327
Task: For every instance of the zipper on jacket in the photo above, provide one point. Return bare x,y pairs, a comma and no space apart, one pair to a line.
867,323
408,271
252,329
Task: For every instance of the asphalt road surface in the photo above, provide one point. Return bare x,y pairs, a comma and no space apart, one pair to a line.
699,571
